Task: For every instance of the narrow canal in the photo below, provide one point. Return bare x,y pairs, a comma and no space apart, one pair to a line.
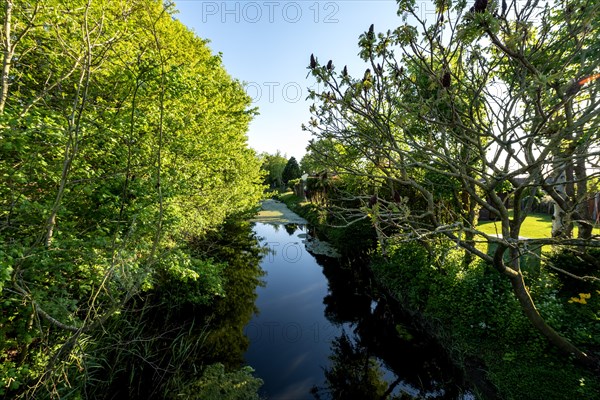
323,331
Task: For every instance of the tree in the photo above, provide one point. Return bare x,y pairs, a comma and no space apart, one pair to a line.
291,170
308,165
123,139
452,108
273,165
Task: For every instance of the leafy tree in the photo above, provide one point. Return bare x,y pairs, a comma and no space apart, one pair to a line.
217,384
451,108
273,165
123,139
308,165
291,170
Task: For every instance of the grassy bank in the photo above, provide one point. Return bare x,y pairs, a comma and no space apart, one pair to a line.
305,209
474,314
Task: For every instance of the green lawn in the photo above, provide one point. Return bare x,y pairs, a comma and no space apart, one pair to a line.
534,226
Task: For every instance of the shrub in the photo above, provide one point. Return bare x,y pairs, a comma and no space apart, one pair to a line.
474,312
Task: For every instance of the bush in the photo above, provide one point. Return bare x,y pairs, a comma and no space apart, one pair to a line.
474,313
292,183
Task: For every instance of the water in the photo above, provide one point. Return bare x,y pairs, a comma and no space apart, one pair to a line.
323,332
290,337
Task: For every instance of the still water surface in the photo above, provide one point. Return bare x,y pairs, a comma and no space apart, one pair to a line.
322,331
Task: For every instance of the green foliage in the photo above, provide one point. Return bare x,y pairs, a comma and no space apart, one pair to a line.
188,280
504,187
577,263
273,166
442,187
291,184
475,315
322,188
217,384
291,171
309,165
579,300
353,240
123,140
5,268
409,263
159,341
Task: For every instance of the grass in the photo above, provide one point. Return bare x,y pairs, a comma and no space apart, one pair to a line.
535,226
290,198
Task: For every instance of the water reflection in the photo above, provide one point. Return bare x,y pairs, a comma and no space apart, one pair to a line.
238,246
323,331
354,373
395,359
291,228
289,337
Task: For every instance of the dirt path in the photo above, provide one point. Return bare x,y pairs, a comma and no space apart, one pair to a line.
276,212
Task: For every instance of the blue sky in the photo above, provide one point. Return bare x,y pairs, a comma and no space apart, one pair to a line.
267,45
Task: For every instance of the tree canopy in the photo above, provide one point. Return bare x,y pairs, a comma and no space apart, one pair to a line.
122,138
273,166
291,170
453,107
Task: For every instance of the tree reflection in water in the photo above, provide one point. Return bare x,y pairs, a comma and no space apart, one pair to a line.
291,228
353,374
237,245
382,356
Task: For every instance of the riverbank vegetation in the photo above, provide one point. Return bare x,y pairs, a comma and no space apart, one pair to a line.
123,160
476,112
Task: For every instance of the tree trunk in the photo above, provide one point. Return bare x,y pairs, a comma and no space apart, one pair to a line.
70,153
560,221
597,208
8,54
585,226
74,128
531,312
470,210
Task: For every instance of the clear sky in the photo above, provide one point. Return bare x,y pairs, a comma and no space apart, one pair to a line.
267,45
